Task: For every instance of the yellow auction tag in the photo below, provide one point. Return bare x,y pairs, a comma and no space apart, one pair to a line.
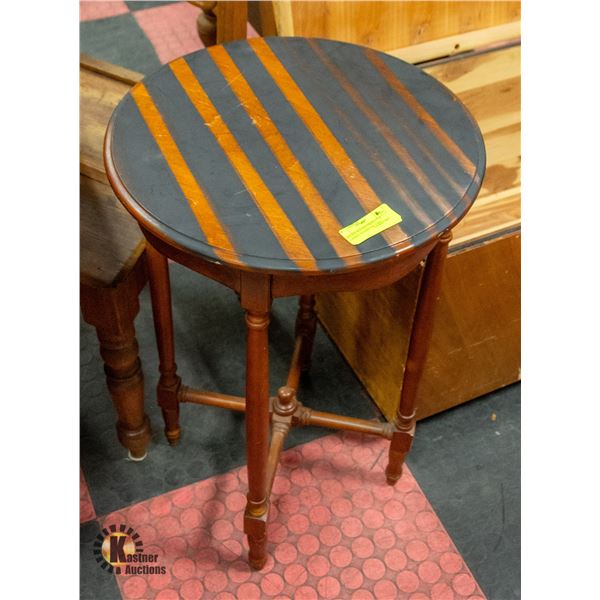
371,224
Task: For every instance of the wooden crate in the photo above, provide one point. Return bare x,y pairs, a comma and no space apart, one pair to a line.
476,338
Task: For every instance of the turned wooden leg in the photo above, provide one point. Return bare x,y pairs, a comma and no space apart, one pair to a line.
306,326
207,23
119,350
256,301
220,22
415,361
112,310
169,382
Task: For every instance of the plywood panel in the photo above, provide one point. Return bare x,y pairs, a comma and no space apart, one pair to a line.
475,345
391,25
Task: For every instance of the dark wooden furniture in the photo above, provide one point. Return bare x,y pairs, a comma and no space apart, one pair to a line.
243,162
112,257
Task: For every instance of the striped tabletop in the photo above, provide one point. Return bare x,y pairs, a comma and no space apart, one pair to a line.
256,153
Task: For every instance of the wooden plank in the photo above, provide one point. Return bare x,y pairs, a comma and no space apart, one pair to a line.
99,94
261,16
490,215
110,240
232,18
504,151
470,354
473,72
390,26
107,69
284,19
488,84
459,43
487,102
496,106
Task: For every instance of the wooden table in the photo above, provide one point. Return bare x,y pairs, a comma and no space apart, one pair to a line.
244,161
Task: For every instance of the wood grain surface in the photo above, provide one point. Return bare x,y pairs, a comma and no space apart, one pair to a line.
255,154
391,25
101,87
110,240
475,345
489,84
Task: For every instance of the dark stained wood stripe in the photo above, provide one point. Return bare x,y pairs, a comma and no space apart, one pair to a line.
421,113
289,238
395,180
283,153
372,153
364,144
394,141
199,203
329,143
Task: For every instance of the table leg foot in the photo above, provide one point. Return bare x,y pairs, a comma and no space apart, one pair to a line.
256,530
135,440
133,458
392,479
172,429
399,448
112,312
125,382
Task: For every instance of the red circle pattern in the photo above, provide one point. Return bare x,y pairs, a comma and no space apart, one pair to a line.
335,530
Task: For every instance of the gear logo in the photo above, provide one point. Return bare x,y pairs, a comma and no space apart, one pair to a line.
121,550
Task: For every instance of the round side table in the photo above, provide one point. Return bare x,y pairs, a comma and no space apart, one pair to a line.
246,162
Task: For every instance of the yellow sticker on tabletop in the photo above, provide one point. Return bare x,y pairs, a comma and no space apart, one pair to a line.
371,224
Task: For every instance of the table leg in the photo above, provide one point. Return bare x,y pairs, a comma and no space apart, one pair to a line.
112,310
306,326
119,351
256,301
415,361
169,382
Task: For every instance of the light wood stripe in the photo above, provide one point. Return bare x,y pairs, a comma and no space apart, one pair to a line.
283,229
421,113
199,203
351,175
283,153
